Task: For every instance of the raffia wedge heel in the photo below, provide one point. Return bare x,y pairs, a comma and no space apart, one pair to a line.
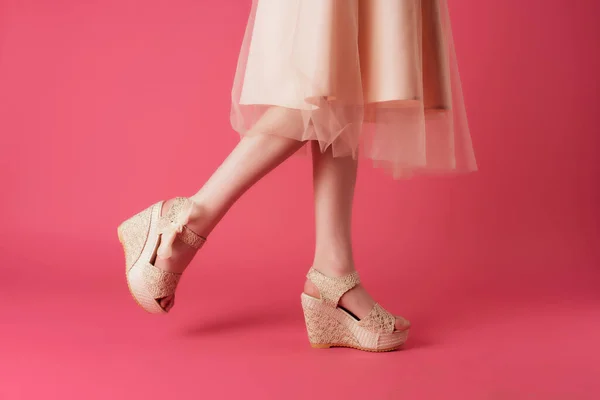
148,235
329,325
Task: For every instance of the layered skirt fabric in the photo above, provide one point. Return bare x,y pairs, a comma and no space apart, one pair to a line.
377,78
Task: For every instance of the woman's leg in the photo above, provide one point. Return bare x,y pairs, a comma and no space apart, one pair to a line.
334,180
255,155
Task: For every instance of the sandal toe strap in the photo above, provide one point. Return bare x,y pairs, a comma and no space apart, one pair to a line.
379,320
160,283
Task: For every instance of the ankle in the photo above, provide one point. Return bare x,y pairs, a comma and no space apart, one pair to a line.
202,219
334,267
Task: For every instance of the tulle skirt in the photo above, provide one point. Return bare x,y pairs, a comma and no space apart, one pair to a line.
372,77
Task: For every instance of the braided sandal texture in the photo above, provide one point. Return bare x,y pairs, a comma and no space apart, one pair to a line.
148,235
329,325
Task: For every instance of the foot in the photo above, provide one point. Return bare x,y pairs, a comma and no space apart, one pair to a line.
357,301
182,254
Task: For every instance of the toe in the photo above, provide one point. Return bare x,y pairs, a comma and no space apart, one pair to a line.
171,304
166,302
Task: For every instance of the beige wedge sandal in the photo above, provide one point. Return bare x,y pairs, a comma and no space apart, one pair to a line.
329,325
149,235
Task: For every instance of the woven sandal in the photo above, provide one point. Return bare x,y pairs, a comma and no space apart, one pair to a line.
329,325
148,235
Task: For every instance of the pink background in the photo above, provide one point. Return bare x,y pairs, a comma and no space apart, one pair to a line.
108,106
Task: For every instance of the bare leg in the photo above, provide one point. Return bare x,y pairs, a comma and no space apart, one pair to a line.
253,157
334,181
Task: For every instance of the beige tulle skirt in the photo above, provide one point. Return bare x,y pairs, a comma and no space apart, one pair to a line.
372,77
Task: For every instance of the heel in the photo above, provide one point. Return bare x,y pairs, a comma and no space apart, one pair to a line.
132,234
325,326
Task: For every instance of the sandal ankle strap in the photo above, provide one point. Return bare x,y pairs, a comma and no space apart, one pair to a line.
173,225
332,288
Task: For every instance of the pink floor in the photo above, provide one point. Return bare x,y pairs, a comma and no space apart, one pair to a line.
72,332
